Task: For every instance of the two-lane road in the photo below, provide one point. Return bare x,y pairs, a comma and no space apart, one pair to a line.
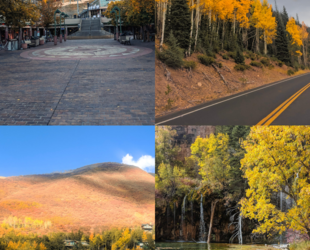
286,102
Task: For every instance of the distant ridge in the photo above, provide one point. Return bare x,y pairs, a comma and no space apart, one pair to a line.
101,195
107,166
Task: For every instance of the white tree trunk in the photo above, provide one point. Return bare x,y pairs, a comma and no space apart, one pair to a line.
265,43
304,54
257,40
163,24
234,23
223,34
191,34
197,22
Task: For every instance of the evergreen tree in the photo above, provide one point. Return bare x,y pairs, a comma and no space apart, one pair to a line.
239,59
180,22
173,55
284,16
238,184
281,41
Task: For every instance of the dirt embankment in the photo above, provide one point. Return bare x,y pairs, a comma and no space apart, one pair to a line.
190,88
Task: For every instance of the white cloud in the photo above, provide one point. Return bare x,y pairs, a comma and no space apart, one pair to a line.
145,162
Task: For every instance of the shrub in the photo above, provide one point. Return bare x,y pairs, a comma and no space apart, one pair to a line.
189,64
216,48
206,60
210,53
303,67
173,55
265,61
256,64
220,65
296,66
239,59
305,245
290,72
226,57
274,59
280,64
270,66
253,57
242,67
231,54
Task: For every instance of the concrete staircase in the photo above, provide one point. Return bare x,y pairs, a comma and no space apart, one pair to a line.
90,29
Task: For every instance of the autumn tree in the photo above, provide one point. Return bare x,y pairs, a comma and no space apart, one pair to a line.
165,149
161,17
18,13
47,10
277,160
304,38
213,159
263,19
295,32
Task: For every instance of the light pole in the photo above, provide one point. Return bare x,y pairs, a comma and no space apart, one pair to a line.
66,15
116,19
55,35
60,35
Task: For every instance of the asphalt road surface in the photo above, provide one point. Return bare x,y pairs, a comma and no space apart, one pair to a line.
285,102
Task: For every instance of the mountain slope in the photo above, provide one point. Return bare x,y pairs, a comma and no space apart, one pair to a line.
99,195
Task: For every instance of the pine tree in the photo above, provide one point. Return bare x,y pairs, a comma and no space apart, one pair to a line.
173,55
238,184
180,22
284,16
239,59
281,41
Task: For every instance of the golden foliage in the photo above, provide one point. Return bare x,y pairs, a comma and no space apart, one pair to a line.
295,31
277,160
19,205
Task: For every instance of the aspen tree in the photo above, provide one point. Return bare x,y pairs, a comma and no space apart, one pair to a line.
304,39
294,30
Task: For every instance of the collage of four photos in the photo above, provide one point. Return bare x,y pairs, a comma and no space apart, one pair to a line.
154,124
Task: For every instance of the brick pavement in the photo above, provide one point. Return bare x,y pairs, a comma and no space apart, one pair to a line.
78,91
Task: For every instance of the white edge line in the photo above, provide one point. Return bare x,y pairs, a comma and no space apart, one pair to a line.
228,99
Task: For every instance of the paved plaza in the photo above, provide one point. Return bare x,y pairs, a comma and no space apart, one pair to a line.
78,82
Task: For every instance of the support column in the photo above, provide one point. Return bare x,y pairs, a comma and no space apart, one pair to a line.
66,32
116,33
20,38
60,37
55,38
30,32
6,33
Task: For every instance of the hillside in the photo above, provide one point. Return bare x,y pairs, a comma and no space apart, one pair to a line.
101,195
192,87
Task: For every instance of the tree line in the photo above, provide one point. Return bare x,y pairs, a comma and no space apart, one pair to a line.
20,13
112,239
232,25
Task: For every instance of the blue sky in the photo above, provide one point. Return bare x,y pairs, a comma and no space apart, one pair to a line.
36,150
293,7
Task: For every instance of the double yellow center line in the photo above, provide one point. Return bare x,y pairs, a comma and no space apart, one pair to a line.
279,110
